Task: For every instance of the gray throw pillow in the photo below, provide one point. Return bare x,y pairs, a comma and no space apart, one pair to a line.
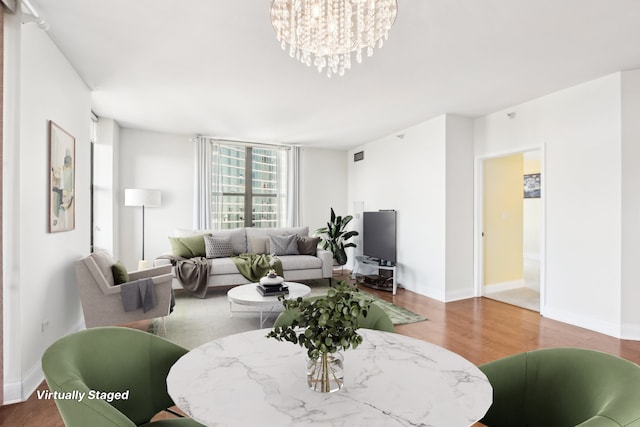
308,245
284,245
218,247
259,245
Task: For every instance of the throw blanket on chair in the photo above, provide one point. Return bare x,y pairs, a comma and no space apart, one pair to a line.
255,266
138,294
193,274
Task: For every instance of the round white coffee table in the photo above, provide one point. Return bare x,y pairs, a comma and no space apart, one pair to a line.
248,296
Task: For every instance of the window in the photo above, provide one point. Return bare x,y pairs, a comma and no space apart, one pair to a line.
248,187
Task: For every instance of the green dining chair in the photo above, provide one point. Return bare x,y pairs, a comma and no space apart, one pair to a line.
560,387
376,318
112,359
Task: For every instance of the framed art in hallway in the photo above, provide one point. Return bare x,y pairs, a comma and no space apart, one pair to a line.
62,171
532,186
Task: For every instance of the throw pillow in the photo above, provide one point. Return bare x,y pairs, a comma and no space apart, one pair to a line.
259,245
188,247
308,245
218,247
284,245
120,274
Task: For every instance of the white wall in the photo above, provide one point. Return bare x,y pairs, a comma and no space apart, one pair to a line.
580,129
41,265
156,161
459,208
105,186
630,294
408,174
425,173
324,185
166,162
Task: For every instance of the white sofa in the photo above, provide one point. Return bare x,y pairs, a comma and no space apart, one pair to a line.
223,271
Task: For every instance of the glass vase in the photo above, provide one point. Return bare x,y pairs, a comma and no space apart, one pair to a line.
326,373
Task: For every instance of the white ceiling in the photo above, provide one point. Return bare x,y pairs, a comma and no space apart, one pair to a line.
214,67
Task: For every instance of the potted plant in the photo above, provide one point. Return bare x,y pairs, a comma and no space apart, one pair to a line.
334,237
325,326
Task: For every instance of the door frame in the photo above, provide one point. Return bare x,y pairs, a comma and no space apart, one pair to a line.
478,218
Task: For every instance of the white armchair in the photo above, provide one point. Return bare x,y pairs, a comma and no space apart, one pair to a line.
101,299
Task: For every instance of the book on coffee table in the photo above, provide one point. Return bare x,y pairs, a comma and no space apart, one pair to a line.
272,290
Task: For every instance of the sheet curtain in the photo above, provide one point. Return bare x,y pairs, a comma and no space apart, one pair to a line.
293,211
202,184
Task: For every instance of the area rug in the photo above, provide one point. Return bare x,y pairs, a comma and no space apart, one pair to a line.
196,321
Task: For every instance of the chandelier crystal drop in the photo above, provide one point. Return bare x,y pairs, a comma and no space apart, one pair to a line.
325,32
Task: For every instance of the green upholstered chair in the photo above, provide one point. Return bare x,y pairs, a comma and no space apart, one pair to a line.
562,387
113,359
376,318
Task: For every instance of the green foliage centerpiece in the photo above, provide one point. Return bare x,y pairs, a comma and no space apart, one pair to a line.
324,326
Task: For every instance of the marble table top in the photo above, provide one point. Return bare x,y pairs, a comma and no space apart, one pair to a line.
390,380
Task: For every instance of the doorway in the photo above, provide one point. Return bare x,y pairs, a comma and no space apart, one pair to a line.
511,225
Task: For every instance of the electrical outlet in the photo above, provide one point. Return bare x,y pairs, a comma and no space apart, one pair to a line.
45,325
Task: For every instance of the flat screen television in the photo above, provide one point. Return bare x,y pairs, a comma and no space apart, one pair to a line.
379,236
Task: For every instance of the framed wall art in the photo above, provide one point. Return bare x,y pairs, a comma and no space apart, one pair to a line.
62,184
532,186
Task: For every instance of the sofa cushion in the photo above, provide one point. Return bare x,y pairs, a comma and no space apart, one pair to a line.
218,247
308,245
222,266
104,262
188,247
284,245
237,236
299,262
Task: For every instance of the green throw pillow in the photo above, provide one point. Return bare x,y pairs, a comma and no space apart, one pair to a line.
120,274
188,247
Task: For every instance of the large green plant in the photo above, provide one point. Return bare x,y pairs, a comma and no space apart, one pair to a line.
330,323
334,237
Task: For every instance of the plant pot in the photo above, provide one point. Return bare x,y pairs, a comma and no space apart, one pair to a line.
326,373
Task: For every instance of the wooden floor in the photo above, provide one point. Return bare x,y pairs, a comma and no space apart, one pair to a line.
479,329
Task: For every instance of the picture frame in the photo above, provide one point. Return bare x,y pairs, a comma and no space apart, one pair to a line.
532,186
62,184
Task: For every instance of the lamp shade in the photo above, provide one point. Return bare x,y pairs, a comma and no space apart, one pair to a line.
141,197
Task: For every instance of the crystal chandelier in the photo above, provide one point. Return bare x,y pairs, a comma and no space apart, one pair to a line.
325,32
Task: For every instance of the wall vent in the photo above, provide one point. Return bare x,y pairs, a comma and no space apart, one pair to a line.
358,156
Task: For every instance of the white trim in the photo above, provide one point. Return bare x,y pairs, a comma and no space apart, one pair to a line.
630,331
20,391
458,295
478,261
503,286
12,393
587,322
17,392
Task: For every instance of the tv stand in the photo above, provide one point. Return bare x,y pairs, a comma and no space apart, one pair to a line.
376,281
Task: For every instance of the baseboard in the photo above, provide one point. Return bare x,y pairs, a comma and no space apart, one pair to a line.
607,328
503,286
12,393
630,331
20,391
459,295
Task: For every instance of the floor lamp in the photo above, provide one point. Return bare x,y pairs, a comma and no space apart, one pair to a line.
144,198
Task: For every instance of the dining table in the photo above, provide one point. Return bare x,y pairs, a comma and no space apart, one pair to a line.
390,380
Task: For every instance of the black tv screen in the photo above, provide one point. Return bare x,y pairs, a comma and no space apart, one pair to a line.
379,235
